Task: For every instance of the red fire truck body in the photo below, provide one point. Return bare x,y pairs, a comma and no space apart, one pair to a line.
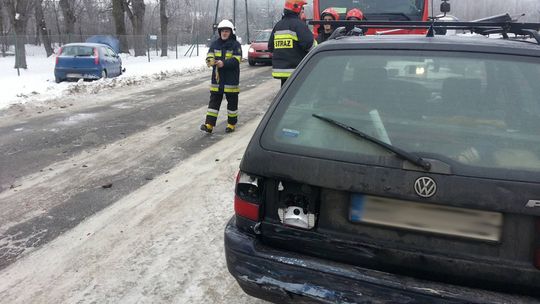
377,10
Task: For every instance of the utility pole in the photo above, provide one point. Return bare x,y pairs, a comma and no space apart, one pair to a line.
234,12
214,26
247,22
268,13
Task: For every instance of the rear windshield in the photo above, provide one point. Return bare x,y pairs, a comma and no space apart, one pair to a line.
77,51
479,113
263,36
374,9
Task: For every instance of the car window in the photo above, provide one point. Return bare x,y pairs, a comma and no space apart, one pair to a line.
77,50
104,52
111,52
475,111
263,36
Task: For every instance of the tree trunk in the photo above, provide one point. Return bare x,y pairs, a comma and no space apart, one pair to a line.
164,27
118,13
2,37
36,39
42,26
59,32
136,15
18,15
69,18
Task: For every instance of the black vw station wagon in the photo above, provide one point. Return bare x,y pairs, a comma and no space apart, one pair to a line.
396,169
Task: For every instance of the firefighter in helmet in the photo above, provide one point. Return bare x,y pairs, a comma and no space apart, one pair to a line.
290,41
353,14
328,14
303,16
224,56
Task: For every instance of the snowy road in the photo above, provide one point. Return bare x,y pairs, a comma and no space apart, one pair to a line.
154,236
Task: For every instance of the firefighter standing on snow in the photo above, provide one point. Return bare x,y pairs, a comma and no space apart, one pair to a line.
224,56
290,41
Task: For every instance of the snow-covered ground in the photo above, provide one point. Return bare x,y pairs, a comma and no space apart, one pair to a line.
161,244
37,82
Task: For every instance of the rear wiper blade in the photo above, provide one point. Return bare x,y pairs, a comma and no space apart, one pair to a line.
417,160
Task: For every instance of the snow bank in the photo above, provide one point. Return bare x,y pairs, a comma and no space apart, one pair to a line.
37,82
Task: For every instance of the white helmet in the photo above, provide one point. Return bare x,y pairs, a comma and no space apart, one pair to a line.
226,24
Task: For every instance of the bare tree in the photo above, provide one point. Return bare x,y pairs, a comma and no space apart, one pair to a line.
1,18
164,20
119,14
69,17
44,33
135,10
18,11
56,19
3,42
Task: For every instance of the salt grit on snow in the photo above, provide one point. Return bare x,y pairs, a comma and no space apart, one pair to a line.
37,82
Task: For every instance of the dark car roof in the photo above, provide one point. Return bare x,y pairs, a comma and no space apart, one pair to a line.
88,44
442,43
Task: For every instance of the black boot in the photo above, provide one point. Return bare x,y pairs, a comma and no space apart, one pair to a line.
207,128
230,128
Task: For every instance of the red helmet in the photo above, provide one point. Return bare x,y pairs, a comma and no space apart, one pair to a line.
295,5
330,12
354,13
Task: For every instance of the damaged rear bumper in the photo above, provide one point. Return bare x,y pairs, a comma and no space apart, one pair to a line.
286,277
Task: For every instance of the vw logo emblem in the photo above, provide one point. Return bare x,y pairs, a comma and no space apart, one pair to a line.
425,187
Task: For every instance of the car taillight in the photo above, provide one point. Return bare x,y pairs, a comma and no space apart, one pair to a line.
58,55
96,56
247,197
537,245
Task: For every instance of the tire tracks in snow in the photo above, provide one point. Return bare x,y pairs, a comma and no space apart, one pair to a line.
49,203
151,246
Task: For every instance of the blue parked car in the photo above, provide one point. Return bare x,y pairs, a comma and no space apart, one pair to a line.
86,61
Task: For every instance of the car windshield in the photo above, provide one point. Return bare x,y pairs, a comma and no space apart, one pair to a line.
376,8
77,50
477,112
263,36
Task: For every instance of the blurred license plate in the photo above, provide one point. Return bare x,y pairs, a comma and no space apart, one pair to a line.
461,222
73,75
264,56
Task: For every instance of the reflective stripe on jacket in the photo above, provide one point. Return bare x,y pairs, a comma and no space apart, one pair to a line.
290,41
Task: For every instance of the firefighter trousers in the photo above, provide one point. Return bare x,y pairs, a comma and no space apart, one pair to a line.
215,104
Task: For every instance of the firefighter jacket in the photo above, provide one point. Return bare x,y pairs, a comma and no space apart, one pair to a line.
227,78
290,41
323,37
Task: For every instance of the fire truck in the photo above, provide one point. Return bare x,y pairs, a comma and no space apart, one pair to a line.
377,10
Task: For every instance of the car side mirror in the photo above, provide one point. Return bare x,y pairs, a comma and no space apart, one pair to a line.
445,6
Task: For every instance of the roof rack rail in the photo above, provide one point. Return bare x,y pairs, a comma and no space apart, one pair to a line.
500,24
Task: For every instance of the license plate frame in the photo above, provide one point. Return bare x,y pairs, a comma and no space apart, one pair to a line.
74,75
425,217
